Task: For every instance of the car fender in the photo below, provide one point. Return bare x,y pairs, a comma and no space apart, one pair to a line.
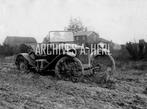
25,56
70,53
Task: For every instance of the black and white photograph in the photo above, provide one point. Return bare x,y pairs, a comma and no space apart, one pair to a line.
73,54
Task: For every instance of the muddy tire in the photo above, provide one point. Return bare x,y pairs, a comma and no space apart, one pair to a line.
68,68
22,65
104,67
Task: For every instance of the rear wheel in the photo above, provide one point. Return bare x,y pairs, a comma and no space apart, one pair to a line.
68,68
104,67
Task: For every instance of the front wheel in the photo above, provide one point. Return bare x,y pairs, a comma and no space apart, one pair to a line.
23,67
69,68
22,64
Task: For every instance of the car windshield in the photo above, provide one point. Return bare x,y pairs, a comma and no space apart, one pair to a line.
61,36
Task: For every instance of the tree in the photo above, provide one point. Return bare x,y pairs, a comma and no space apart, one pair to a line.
25,48
137,50
6,50
75,25
46,40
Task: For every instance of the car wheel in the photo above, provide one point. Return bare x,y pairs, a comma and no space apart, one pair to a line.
23,67
104,67
68,68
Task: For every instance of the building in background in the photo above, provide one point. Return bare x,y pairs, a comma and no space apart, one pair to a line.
91,37
16,40
84,37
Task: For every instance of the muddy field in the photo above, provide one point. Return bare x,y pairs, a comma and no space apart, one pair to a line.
33,91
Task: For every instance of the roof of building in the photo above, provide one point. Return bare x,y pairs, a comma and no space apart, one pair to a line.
88,33
81,33
15,40
102,40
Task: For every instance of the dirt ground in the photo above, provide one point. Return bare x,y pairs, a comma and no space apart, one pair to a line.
33,91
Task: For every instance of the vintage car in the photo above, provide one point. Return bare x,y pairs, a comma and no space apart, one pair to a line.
62,56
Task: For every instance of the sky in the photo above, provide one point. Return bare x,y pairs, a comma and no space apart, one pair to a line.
117,20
